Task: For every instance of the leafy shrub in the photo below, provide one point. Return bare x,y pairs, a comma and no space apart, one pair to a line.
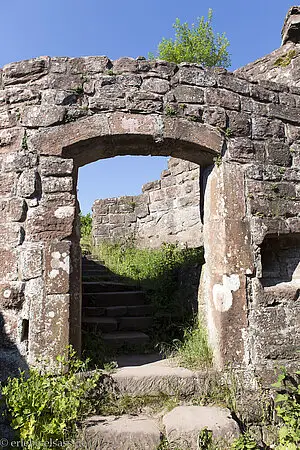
42,406
197,44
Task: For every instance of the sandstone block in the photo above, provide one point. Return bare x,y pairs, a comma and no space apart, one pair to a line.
42,116
263,127
12,294
57,267
8,266
54,166
157,85
278,153
189,94
125,432
233,83
215,116
184,423
223,98
28,183
24,71
262,94
30,261
57,184
125,65
196,75
239,123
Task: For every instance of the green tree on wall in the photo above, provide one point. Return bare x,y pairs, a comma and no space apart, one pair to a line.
196,44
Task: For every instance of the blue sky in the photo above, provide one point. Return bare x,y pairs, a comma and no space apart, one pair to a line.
129,28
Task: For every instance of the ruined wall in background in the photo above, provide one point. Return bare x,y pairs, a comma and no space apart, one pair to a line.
167,211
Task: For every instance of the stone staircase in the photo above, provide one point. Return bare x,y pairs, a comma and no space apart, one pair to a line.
175,427
119,313
115,309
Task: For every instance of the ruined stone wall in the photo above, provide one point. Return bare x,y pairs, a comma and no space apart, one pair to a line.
57,114
168,210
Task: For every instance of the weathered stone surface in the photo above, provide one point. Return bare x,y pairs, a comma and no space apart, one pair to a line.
30,261
58,267
53,166
291,27
28,183
221,97
158,377
126,432
157,85
58,114
42,116
168,220
189,94
24,71
184,423
12,295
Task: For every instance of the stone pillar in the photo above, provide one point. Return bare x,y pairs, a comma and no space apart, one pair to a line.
228,262
291,28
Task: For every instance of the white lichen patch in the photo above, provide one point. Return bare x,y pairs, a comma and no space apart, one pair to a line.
222,293
7,293
59,262
64,211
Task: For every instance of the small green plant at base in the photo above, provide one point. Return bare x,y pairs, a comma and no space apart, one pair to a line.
217,160
205,439
194,352
287,409
244,442
135,404
228,132
44,406
170,111
24,142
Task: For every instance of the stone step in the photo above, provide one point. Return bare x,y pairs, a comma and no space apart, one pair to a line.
183,424
105,286
120,339
110,324
118,311
127,298
159,377
92,258
121,433
104,324
94,269
135,323
101,276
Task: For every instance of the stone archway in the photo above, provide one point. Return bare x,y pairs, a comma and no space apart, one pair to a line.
61,113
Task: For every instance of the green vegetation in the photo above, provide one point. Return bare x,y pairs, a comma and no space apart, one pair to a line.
194,351
285,60
158,272
170,111
195,44
24,141
86,232
43,406
287,408
135,404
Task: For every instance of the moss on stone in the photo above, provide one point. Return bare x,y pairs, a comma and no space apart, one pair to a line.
285,60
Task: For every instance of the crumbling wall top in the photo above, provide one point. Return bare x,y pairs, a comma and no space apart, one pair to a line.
291,26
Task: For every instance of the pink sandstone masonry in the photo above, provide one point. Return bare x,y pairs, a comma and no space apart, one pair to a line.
243,129
168,210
